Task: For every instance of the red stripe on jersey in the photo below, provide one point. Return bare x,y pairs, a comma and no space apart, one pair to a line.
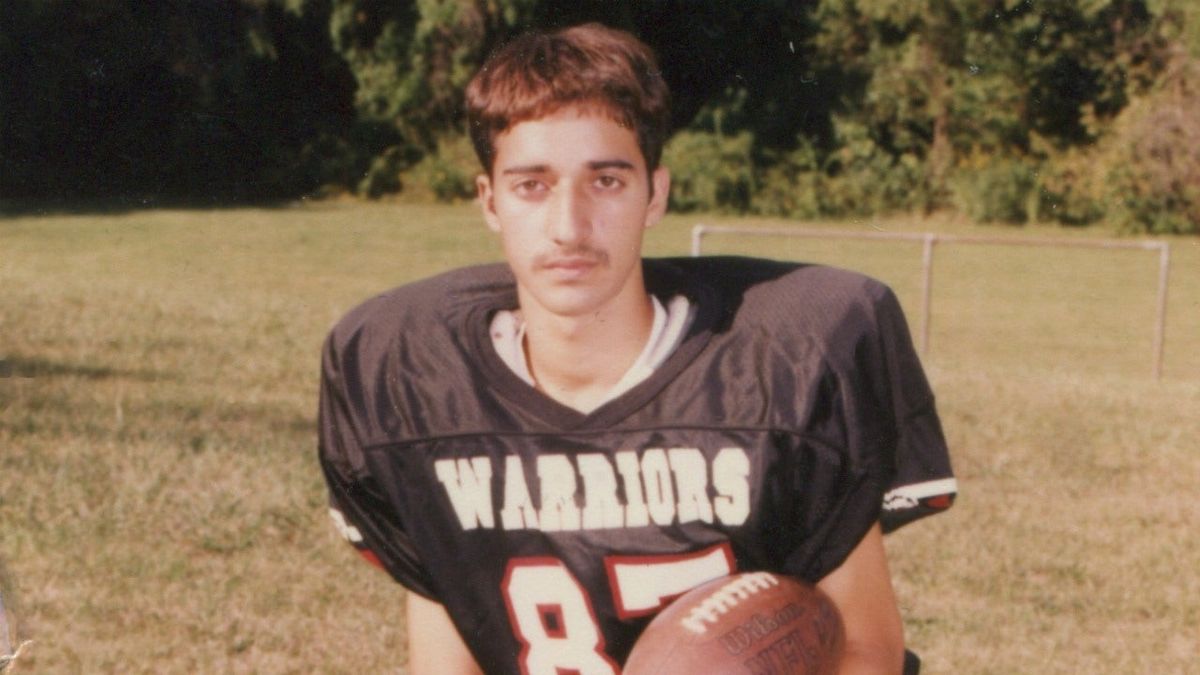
371,557
940,502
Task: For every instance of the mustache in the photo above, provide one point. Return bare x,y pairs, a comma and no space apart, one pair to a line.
593,255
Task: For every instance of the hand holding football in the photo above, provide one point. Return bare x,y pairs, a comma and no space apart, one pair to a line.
754,623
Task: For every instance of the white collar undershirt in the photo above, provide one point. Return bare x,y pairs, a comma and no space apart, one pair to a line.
666,332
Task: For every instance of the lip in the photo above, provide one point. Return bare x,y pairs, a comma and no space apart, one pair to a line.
570,267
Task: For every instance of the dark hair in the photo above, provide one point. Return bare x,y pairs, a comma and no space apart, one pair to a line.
591,66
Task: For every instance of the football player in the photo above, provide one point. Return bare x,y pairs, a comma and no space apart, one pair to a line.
547,451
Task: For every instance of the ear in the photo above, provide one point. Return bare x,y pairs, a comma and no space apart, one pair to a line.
487,201
661,181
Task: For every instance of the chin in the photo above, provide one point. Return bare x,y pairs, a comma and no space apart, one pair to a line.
570,302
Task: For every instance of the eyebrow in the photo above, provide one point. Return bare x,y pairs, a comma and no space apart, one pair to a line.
596,165
531,168
610,164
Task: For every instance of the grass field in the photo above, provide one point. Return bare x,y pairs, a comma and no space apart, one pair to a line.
161,509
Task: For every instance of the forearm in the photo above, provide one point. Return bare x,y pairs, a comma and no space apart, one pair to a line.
862,591
434,646
873,659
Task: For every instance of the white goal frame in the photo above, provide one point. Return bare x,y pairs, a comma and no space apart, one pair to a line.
930,240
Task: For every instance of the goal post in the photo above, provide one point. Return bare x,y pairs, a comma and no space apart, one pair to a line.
929,241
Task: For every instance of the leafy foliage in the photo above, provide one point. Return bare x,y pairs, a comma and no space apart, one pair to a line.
213,100
945,81
1154,174
446,175
1008,110
710,171
998,190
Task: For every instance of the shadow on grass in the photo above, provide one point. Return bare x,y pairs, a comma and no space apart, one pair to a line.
21,367
112,206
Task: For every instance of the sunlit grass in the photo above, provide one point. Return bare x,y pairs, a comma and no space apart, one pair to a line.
161,509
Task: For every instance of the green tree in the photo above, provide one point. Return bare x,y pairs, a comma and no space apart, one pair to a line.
413,59
1151,158
174,99
818,107
961,85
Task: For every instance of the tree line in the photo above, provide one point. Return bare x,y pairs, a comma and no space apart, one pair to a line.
1066,111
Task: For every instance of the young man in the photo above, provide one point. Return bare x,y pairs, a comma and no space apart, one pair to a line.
546,452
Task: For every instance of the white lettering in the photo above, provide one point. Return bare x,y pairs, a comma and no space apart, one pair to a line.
636,513
660,496
655,487
469,486
691,484
601,508
557,476
731,478
518,512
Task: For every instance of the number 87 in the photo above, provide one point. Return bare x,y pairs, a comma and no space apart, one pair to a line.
553,618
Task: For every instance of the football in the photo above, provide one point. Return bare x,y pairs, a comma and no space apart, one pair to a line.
753,623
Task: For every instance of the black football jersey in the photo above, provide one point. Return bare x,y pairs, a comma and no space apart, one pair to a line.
792,417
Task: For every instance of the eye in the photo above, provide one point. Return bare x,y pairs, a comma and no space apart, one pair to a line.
608,182
529,187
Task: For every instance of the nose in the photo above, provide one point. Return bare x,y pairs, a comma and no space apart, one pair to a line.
570,220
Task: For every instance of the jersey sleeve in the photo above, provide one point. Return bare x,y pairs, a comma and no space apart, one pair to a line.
922,481
879,434
843,375
357,503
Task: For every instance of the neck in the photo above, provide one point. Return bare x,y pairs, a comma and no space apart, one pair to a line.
577,360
